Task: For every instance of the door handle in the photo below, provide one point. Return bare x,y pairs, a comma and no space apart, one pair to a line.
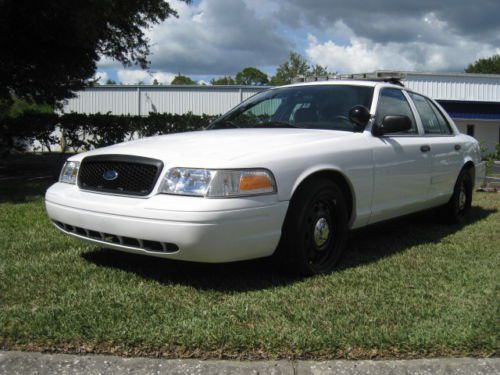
458,147
425,148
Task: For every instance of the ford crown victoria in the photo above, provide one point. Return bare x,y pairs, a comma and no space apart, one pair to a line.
287,173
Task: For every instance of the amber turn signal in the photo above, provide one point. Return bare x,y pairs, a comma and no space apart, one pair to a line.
255,182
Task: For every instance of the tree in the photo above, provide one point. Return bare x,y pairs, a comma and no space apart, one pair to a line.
295,65
183,80
20,106
252,77
489,65
50,48
110,82
319,71
225,80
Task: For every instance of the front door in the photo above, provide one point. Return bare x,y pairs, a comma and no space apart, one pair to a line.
402,163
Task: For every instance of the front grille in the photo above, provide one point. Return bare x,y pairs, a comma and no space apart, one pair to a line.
136,243
119,174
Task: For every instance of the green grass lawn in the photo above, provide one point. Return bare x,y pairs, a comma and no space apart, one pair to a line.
408,288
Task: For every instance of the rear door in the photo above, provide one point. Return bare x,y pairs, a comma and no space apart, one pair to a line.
446,148
402,162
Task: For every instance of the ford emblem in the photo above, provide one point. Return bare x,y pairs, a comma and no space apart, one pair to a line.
110,175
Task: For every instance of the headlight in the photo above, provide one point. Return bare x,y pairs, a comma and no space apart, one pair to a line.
218,183
69,172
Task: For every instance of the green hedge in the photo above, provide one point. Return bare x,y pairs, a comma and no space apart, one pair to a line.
80,132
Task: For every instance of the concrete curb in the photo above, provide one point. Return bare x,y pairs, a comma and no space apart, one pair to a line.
13,363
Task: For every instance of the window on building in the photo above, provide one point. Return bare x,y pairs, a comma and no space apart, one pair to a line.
470,130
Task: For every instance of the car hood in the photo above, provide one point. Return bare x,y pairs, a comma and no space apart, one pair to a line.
219,148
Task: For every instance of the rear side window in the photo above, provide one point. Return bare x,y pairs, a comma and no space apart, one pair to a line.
443,123
432,120
392,102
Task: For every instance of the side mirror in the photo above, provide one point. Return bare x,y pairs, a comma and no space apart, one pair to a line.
359,115
392,124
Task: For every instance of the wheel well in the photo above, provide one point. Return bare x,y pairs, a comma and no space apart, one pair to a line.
341,182
469,166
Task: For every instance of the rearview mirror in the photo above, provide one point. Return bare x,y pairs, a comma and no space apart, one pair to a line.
359,115
392,124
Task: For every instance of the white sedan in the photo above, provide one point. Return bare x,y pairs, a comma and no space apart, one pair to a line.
288,173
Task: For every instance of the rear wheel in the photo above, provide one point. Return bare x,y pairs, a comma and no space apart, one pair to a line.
459,205
315,230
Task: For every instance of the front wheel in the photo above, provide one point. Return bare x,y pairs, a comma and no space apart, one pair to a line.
315,231
459,205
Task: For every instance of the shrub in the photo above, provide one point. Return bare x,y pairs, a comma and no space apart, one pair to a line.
22,131
81,132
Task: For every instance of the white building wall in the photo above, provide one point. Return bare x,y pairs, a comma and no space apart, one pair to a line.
141,100
117,100
467,87
486,132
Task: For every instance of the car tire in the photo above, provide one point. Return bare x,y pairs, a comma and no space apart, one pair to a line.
315,230
459,205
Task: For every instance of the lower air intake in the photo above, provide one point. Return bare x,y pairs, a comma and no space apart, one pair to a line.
135,243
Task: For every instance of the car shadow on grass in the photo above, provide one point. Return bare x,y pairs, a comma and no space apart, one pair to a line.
26,177
241,276
366,245
24,191
384,239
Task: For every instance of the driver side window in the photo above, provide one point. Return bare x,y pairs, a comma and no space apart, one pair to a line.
392,102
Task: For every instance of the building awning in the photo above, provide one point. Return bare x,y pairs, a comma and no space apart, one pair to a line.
474,116
471,110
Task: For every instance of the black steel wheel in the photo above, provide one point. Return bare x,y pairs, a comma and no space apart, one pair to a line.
459,205
316,228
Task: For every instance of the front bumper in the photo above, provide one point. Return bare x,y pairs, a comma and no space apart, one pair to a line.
187,228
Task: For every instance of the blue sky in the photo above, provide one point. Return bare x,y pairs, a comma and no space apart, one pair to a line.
211,38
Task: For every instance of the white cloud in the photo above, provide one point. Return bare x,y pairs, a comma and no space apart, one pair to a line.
399,21
102,77
221,37
134,76
163,77
216,37
359,56
363,55
107,63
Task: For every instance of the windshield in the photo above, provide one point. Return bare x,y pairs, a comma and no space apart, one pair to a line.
313,107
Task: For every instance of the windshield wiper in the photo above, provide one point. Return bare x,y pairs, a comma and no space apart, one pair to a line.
224,124
228,124
277,124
